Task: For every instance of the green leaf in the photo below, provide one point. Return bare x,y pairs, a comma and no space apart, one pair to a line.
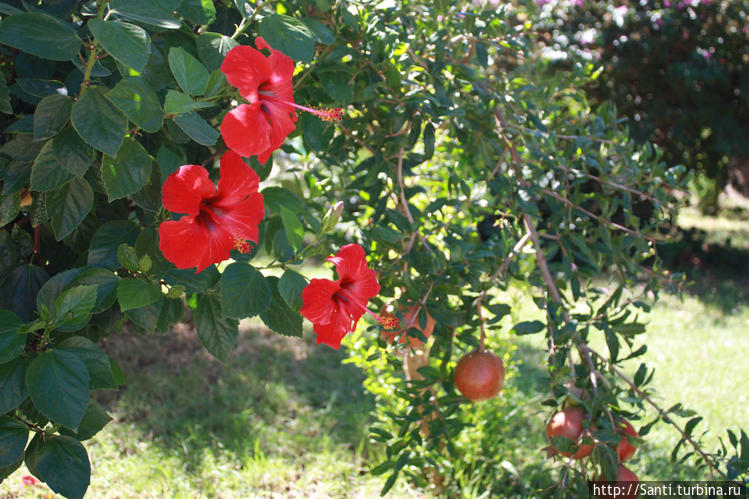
106,286
529,327
46,174
62,463
218,334
72,154
12,342
93,421
289,35
68,206
291,286
13,388
18,292
213,47
197,128
51,114
5,106
190,74
171,313
145,11
58,384
135,97
75,304
39,87
103,249
194,283
321,31
337,84
279,316
10,205
128,258
293,228
147,317
198,11
178,103
126,42
135,293
40,35
101,368
244,291
13,437
99,122
128,172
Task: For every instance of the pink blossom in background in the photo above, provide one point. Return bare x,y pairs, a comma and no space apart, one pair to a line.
29,480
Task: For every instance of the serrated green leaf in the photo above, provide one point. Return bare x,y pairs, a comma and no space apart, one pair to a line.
244,291
75,304
10,205
126,42
99,122
293,228
52,113
135,293
198,11
12,342
178,103
13,437
58,384
135,97
102,251
40,35
46,173
13,389
68,206
71,152
197,128
18,292
291,286
93,421
128,172
101,368
279,316
289,35
145,11
213,47
62,463
217,334
190,74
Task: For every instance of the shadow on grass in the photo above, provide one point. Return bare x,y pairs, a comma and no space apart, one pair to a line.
279,397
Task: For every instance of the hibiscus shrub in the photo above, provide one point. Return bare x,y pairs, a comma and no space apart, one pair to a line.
160,154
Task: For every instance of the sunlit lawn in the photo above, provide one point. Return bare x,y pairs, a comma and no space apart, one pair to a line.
286,418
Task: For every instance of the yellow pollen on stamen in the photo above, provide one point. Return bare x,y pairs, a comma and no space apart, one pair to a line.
388,320
242,245
328,114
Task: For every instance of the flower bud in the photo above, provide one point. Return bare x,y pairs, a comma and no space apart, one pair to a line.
332,217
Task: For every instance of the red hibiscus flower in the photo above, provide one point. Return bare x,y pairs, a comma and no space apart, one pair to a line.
260,126
216,221
335,307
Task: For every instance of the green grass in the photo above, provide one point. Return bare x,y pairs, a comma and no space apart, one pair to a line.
287,418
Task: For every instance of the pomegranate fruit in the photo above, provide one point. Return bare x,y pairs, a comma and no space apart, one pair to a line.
569,423
622,475
479,375
624,449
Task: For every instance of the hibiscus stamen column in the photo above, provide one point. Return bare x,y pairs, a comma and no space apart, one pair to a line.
388,321
324,113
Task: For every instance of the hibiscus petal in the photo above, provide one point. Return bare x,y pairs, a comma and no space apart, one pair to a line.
242,219
356,278
246,69
238,179
331,334
246,130
317,298
186,188
187,243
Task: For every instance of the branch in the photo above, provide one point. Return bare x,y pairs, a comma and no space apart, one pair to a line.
661,412
404,202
